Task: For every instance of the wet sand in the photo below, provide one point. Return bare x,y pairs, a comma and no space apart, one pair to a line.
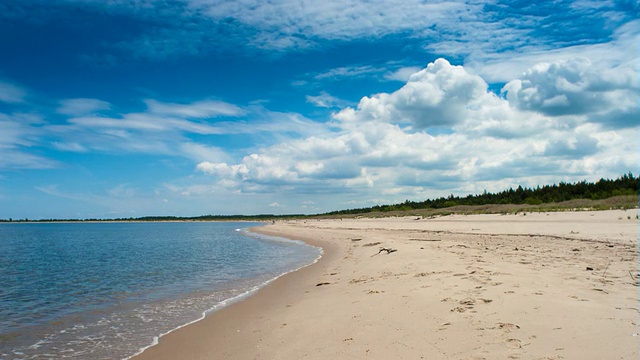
535,286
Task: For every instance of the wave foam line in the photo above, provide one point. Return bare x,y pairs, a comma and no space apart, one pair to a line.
232,300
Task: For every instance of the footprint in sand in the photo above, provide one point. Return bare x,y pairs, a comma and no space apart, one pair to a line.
373,292
514,344
508,326
467,302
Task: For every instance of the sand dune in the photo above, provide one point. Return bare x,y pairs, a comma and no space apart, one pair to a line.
534,286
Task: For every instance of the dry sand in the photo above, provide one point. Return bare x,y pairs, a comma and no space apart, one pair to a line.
535,286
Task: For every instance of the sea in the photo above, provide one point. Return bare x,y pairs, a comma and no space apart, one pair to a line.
110,290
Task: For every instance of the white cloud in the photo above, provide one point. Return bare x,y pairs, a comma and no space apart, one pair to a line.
349,72
439,95
82,106
11,93
198,109
333,19
200,152
145,122
578,87
383,145
388,71
69,146
17,159
508,65
325,100
478,30
402,74
14,132
18,134
165,129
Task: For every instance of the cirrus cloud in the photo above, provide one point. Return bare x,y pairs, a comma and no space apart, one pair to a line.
11,93
82,106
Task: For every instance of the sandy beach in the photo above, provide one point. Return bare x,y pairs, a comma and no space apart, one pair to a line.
558,285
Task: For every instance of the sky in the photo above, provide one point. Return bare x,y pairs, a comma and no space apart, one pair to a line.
129,108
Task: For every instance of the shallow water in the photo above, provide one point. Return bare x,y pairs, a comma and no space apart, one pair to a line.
105,290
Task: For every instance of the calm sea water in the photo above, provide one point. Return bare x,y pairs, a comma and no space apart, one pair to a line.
106,290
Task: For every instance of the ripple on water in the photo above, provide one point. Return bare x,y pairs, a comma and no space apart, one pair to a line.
104,291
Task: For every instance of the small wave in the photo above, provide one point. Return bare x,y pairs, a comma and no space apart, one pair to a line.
275,238
224,303
124,322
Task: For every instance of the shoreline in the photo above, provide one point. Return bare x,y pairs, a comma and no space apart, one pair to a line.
168,345
238,298
556,285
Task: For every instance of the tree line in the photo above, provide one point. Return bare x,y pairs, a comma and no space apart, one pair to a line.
626,184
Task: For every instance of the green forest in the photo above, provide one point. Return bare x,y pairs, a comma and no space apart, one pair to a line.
602,189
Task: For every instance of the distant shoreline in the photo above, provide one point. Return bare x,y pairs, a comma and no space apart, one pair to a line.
625,202
119,221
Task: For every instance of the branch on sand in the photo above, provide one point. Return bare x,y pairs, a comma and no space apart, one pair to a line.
388,250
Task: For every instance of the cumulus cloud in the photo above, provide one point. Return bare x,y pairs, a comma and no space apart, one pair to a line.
304,162
439,95
384,144
572,87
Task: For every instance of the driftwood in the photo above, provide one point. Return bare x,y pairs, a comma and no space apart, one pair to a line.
388,250
372,244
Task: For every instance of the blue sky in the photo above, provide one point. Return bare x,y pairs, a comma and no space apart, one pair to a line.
119,108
